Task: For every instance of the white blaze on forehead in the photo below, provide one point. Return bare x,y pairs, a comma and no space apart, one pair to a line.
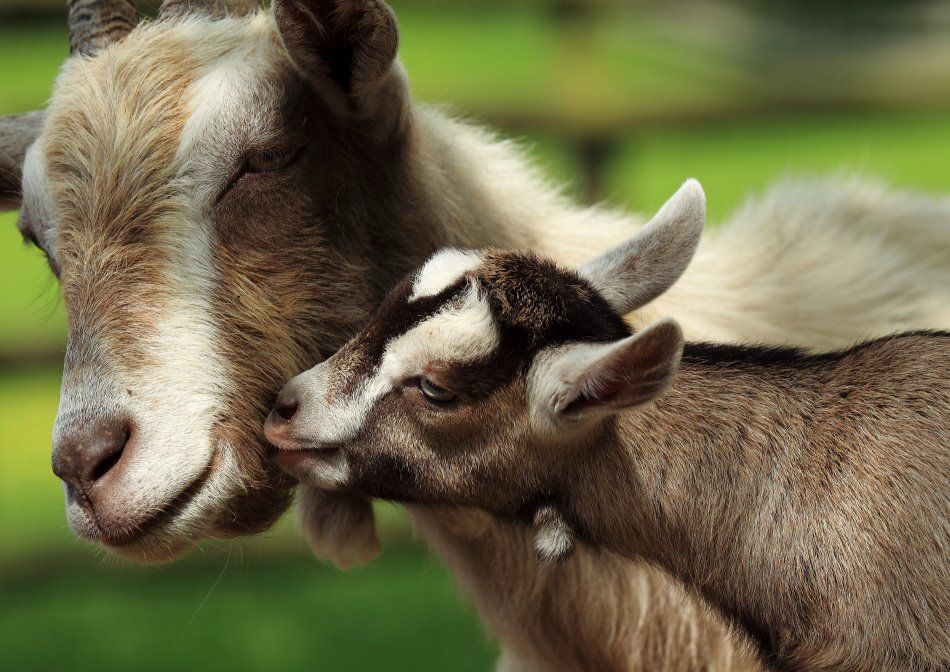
234,102
443,270
238,58
177,394
183,390
461,333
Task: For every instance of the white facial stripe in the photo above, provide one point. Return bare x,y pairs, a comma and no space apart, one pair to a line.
228,102
177,398
239,57
461,334
190,374
443,270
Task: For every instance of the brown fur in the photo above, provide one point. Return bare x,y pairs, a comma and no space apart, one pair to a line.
386,183
807,499
113,198
804,496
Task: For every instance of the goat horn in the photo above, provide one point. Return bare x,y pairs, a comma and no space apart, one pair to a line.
172,8
94,24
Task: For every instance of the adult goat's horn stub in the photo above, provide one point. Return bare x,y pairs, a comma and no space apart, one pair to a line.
172,8
94,24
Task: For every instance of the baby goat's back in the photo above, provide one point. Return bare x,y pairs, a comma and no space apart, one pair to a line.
882,444
840,463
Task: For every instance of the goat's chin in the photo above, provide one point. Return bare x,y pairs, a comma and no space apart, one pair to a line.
221,505
323,469
154,550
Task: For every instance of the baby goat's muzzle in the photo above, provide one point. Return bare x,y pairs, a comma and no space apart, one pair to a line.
293,426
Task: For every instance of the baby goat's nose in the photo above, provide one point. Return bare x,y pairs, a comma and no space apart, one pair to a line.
287,405
279,425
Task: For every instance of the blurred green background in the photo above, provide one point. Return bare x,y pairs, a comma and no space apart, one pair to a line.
620,100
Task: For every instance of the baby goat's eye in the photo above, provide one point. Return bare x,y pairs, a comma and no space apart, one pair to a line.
434,393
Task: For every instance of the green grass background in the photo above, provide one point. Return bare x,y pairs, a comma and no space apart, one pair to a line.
259,603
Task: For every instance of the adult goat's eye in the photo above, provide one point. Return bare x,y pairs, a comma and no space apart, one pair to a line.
270,161
260,163
434,393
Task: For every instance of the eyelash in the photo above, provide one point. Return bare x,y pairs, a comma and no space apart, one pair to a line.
273,161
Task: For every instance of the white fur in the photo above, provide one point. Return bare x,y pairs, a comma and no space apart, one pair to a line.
553,538
37,203
444,269
463,332
556,377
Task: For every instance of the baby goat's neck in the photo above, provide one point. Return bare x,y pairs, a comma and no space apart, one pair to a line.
704,480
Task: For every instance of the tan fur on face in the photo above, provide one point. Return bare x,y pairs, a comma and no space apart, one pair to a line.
468,188
111,136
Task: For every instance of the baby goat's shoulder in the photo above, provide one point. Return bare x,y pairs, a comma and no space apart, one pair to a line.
902,380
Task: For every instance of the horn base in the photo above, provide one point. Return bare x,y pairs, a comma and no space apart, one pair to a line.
94,24
221,8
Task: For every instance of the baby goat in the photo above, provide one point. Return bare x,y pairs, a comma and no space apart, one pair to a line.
806,496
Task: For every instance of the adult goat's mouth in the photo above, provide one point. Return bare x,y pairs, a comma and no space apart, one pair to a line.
122,534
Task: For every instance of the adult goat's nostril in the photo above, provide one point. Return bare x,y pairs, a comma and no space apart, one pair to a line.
286,407
86,454
108,462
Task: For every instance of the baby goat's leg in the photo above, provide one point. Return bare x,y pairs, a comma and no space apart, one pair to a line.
553,536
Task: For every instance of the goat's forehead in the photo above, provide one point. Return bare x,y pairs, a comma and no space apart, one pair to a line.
444,269
129,117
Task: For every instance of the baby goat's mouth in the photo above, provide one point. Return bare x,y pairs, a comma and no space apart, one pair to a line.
290,460
326,467
321,465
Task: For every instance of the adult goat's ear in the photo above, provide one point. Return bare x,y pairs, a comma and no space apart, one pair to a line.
339,527
584,380
346,49
17,133
638,271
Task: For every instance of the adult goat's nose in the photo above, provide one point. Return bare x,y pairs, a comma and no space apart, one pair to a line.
86,453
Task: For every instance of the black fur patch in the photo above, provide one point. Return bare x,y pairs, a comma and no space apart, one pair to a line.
726,355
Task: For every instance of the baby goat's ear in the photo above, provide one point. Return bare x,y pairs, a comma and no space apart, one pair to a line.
590,379
639,270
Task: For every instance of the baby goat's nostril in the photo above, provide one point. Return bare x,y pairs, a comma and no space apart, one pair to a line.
286,407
